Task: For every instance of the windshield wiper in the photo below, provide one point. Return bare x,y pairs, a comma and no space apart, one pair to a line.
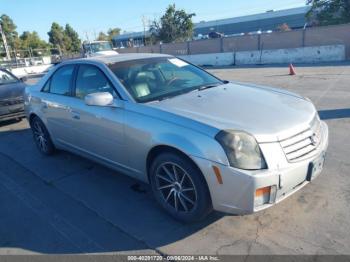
188,91
206,87
164,98
177,94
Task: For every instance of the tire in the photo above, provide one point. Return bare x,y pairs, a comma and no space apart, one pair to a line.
42,137
172,176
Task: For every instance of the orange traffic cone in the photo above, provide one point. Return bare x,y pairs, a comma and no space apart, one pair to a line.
292,70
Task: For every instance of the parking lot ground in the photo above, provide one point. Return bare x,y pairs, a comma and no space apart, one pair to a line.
68,205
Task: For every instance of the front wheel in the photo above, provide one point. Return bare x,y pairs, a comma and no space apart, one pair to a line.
180,188
42,137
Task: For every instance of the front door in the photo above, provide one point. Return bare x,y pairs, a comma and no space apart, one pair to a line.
99,131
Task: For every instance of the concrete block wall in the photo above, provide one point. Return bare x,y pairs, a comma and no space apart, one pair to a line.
315,54
282,40
331,53
258,47
241,43
329,35
216,59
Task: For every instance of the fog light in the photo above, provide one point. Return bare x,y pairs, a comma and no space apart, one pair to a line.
264,196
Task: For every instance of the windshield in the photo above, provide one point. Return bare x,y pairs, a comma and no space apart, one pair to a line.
160,78
98,47
6,78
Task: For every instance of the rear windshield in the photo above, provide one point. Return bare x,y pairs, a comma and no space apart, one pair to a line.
159,78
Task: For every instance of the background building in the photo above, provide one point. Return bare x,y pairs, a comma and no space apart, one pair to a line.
270,20
263,22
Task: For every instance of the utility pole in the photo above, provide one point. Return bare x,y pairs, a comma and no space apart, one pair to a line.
87,36
144,21
8,56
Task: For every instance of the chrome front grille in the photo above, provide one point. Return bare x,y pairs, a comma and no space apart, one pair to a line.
304,144
11,101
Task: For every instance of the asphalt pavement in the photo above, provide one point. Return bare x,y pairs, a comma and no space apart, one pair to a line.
65,204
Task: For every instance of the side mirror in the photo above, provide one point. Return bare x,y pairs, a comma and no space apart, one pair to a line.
99,99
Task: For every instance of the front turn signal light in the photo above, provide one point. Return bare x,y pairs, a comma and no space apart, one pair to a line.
264,195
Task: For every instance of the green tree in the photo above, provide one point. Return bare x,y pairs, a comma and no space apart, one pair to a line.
102,36
328,12
9,28
174,26
112,32
57,37
31,40
73,43
65,39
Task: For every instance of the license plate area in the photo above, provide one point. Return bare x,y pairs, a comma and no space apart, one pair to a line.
315,167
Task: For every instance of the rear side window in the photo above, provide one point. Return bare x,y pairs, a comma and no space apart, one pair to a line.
60,82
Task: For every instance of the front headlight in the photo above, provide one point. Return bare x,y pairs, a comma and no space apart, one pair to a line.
242,150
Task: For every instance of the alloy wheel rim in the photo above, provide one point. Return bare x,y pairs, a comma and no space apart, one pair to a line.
176,187
40,136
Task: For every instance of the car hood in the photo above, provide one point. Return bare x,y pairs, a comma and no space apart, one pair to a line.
14,90
267,113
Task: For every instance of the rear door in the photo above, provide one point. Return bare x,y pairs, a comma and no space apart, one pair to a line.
56,101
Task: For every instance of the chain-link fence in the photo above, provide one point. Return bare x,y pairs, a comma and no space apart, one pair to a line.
34,57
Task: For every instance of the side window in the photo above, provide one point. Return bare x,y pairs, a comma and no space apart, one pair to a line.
61,80
46,87
6,78
90,79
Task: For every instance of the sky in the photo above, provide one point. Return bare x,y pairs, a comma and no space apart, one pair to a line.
88,17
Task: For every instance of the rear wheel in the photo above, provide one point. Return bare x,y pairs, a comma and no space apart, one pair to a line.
180,188
42,137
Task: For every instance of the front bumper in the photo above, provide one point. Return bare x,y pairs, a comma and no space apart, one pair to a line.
237,193
11,112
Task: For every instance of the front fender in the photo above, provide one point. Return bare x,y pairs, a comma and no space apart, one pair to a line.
192,144
146,129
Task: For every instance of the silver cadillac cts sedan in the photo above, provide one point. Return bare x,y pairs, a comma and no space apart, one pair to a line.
201,142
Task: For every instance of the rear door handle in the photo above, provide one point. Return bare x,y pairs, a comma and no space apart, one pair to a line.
75,115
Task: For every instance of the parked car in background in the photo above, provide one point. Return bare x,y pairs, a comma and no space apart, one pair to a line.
201,142
214,34
11,96
98,48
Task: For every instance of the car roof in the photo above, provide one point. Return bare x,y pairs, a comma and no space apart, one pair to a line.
111,59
